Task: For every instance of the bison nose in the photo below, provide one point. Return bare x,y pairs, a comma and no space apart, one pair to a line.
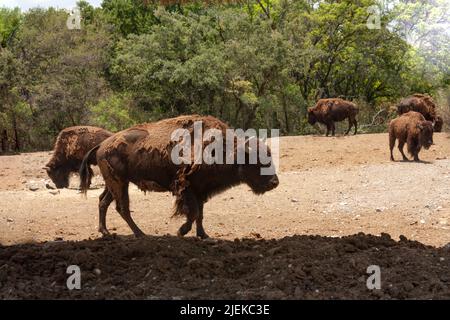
274,182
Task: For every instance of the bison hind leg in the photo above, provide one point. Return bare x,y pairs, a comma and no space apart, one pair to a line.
119,191
187,205
401,144
105,200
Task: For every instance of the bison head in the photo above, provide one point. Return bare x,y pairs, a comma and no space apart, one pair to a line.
438,124
311,117
58,175
425,133
254,175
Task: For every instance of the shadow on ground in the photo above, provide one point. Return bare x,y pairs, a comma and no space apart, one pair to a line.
296,267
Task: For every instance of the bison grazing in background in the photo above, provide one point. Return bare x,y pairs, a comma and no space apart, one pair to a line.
327,111
423,104
142,155
412,128
71,146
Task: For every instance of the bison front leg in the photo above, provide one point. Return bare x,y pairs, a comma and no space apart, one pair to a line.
416,154
199,222
413,147
350,124
333,128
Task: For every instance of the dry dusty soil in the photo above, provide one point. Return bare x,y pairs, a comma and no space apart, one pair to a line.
341,206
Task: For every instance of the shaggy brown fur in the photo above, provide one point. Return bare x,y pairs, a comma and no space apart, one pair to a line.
425,105
70,148
142,155
413,129
419,103
327,111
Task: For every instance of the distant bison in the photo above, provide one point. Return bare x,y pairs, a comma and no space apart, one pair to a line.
423,104
71,146
142,155
413,129
327,111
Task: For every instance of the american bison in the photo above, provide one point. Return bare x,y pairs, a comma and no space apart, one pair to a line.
142,155
412,128
71,146
327,111
425,105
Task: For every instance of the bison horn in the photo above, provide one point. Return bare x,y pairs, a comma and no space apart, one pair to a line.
46,168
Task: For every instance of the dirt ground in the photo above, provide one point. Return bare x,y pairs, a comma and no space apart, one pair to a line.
341,206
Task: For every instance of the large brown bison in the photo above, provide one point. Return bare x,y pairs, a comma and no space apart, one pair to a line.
71,146
143,155
328,111
423,104
413,129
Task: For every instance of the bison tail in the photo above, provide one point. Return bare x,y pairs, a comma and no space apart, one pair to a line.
85,170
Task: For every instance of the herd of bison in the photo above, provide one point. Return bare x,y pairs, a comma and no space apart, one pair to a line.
141,155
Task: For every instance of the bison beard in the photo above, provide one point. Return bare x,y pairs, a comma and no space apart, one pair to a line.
141,155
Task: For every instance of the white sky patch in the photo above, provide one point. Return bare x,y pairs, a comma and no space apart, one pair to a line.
27,4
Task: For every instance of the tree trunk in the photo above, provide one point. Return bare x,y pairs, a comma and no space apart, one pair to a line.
4,141
286,116
16,134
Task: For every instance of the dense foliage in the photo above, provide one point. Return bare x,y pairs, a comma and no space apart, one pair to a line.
253,63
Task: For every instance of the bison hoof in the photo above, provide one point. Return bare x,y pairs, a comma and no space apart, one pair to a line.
104,231
202,236
139,234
